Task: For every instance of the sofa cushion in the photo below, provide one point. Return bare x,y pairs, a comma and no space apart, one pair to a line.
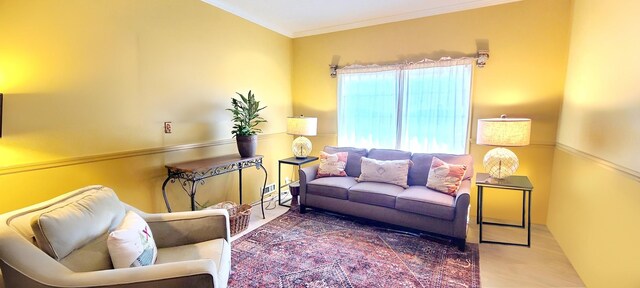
217,250
332,164
353,160
334,187
419,172
389,154
60,230
422,200
131,244
379,194
389,171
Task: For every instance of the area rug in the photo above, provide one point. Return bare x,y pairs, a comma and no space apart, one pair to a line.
318,249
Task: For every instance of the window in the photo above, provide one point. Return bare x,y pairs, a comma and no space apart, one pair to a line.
421,107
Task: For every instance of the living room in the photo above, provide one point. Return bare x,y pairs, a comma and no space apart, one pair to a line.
88,86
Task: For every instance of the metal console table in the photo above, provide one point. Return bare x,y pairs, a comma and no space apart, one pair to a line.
191,173
521,183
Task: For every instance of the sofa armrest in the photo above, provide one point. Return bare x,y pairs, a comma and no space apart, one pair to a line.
463,198
181,228
306,175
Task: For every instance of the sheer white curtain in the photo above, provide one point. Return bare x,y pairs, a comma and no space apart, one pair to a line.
368,107
437,98
419,107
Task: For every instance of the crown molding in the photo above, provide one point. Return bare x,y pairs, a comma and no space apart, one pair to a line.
402,17
291,33
249,17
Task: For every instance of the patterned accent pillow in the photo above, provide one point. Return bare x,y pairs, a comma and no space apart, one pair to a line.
390,171
131,244
445,177
332,164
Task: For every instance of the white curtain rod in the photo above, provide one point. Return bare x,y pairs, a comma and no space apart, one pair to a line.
481,61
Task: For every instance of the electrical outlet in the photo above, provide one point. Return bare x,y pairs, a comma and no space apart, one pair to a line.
269,188
167,127
287,180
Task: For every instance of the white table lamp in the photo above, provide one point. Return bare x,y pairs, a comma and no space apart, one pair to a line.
302,126
500,162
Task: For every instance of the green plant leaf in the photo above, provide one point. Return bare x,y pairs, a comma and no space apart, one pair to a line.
246,115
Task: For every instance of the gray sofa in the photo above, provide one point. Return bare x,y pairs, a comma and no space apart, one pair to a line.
416,207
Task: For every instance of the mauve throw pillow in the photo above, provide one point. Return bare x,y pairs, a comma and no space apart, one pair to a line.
390,171
332,164
445,177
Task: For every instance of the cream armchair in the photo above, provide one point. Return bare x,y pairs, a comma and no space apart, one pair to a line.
70,250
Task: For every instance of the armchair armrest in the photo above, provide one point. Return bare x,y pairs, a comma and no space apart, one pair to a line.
194,273
18,270
306,175
181,228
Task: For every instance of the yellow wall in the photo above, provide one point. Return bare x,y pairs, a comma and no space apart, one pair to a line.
524,77
593,208
84,79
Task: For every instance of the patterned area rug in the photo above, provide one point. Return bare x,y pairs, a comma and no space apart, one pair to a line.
319,249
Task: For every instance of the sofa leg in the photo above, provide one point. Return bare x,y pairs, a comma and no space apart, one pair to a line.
460,243
303,209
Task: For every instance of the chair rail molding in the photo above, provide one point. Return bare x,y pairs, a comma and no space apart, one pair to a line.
119,155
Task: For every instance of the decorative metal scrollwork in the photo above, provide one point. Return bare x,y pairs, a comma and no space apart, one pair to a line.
189,179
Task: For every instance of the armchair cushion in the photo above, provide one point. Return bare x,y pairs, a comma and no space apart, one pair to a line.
61,229
91,257
216,250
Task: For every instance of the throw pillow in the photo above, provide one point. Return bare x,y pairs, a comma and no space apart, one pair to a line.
445,177
131,244
332,164
389,171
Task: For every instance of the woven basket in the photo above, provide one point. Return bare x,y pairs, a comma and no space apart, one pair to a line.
238,215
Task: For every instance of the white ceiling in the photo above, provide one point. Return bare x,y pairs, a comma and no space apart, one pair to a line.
298,18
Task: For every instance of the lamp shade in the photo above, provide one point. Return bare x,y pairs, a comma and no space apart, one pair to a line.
302,126
504,131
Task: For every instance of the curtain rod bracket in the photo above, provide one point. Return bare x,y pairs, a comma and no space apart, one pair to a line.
483,56
333,70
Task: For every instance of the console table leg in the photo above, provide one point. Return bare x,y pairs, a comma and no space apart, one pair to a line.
193,196
240,185
164,193
264,185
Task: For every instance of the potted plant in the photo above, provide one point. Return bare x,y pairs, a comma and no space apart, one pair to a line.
246,117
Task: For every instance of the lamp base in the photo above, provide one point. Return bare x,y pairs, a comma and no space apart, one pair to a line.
301,147
500,163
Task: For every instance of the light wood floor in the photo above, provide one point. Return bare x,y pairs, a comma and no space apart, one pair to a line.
542,265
